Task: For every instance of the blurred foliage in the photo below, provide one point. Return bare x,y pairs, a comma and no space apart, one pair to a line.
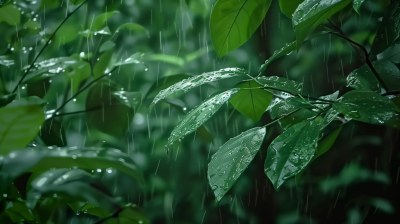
82,142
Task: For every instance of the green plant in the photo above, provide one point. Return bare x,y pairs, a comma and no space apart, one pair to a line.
309,124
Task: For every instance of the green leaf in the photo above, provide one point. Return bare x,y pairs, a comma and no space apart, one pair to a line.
73,183
52,133
280,84
232,158
251,100
291,152
10,15
368,107
389,29
100,68
391,53
50,67
363,78
199,115
327,142
164,83
289,6
232,23
136,58
42,159
101,20
357,4
286,50
6,61
80,72
312,13
18,212
19,125
135,27
190,83
170,59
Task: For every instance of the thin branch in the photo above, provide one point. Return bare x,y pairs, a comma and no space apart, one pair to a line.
46,45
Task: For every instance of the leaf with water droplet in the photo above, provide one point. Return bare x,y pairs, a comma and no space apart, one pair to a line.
49,68
312,13
232,158
199,115
277,83
368,107
289,6
325,144
285,50
232,23
195,81
357,5
290,153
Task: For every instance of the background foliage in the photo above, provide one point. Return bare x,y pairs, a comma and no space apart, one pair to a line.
197,111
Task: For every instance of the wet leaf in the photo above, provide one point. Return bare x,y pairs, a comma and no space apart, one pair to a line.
101,20
73,183
357,4
391,53
169,59
18,212
10,15
280,84
289,6
232,158
50,67
368,107
251,100
133,27
232,23
100,68
190,83
199,115
41,159
312,13
164,83
292,151
136,58
286,50
19,125
326,144
6,61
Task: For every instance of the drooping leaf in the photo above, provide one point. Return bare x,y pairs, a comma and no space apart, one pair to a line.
101,20
232,23
19,125
363,78
389,29
136,58
100,68
326,144
251,100
391,53
133,27
289,6
368,107
286,50
10,15
169,59
164,83
50,67
74,183
199,115
312,13
357,5
42,159
280,84
292,151
190,83
232,158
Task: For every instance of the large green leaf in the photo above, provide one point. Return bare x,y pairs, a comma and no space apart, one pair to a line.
164,83
199,115
42,159
391,53
10,14
368,107
233,22
19,125
280,84
232,158
312,13
363,78
251,100
291,152
289,6
327,142
285,50
190,83
50,67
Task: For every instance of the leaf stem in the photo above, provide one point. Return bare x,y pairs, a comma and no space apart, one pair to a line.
46,45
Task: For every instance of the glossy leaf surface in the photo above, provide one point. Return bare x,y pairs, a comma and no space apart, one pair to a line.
232,158
199,115
291,152
280,84
232,23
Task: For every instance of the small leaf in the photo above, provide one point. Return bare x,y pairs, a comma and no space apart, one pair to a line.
199,115
292,151
327,142
357,5
170,59
19,125
289,6
286,50
10,14
101,20
100,68
18,212
41,159
50,67
6,61
280,84
164,83
136,58
190,83
133,27
391,53
368,107
312,13
232,158
251,101
232,23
